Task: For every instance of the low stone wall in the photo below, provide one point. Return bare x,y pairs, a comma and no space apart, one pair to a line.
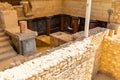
97,35
110,57
74,60
77,57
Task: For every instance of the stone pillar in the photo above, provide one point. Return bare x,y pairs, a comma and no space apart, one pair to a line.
75,24
48,25
23,26
62,23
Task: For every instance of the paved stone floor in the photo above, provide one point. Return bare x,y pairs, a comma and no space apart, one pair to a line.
101,76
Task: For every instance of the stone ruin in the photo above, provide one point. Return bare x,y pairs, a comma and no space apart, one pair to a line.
81,59
5,6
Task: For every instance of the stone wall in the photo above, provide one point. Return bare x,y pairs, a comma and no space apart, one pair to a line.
77,57
74,60
110,57
98,11
46,7
42,8
97,35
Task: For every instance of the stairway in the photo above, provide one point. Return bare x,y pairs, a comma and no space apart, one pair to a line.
6,50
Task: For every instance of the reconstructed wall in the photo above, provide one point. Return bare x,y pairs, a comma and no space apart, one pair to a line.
98,11
42,8
46,7
110,57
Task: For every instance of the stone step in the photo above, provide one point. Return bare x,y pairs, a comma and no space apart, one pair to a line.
9,63
4,43
5,49
2,34
4,38
8,55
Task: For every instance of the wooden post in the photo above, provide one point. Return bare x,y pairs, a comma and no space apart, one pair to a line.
62,23
87,21
75,24
48,25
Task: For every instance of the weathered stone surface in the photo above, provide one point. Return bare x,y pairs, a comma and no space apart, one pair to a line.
5,6
74,60
69,58
109,60
40,8
8,19
23,42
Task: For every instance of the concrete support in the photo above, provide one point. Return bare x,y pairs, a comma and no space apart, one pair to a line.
87,21
48,25
75,24
62,23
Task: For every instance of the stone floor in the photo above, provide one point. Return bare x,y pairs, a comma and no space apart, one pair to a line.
101,76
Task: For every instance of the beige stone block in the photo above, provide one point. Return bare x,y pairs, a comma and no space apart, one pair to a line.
9,18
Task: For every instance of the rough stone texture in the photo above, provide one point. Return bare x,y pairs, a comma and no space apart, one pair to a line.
71,61
80,54
110,57
97,30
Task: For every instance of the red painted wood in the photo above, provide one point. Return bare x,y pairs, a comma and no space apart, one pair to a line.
75,25
62,23
48,26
